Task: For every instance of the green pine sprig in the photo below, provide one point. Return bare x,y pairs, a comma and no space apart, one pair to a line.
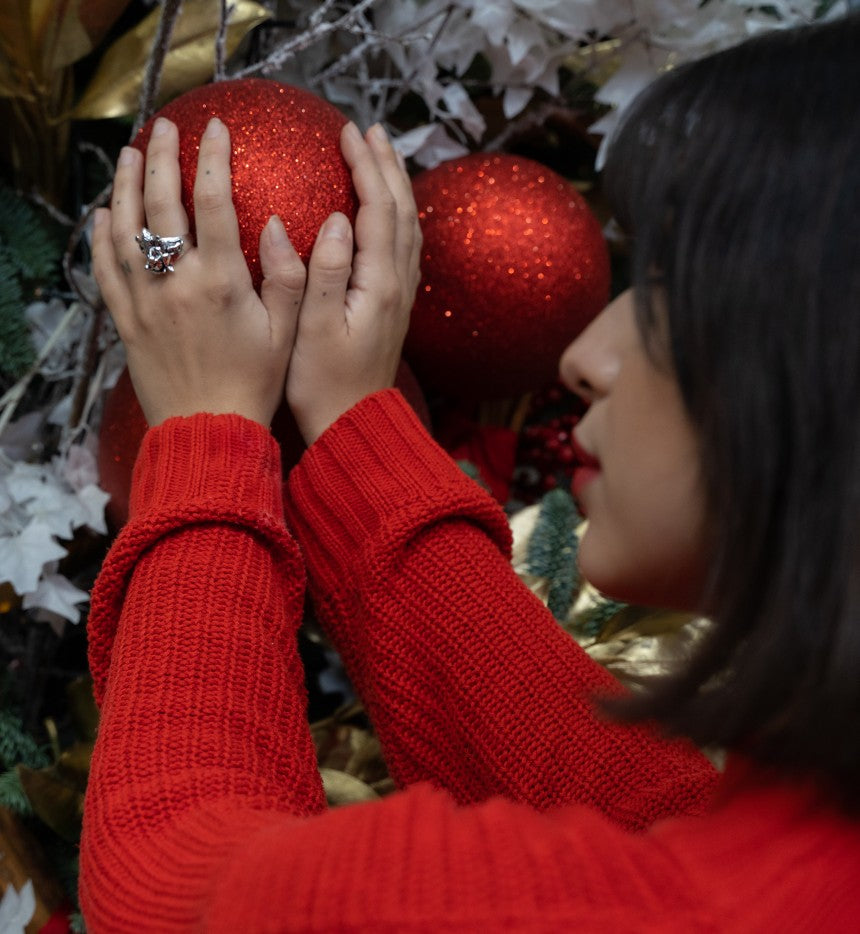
595,618
12,795
552,550
17,746
29,256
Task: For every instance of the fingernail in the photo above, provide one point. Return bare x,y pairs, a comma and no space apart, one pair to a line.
377,131
160,127
127,155
336,227
214,128
352,131
99,216
275,230
401,159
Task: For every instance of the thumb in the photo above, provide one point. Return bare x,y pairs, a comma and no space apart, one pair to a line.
284,279
329,271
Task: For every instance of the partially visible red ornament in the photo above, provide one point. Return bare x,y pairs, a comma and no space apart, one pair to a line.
514,266
286,158
123,427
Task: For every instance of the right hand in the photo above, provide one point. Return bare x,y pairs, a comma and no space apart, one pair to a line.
355,310
199,339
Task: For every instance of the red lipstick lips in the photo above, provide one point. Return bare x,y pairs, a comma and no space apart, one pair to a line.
587,468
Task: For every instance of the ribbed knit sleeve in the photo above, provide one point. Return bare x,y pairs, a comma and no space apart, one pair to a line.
204,810
193,651
470,682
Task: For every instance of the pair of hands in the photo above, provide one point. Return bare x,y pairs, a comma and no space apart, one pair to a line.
202,340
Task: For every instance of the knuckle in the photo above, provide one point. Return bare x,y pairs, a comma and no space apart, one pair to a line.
408,213
220,290
292,277
208,198
156,202
122,238
331,260
389,293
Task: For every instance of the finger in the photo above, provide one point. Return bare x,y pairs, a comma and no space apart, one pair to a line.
375,225
393,170
162,184
112,281
126,214
215,217
284,279
329,269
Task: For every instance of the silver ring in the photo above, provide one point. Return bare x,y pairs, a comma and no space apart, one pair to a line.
160,252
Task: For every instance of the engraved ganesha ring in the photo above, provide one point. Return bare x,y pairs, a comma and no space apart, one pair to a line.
160,252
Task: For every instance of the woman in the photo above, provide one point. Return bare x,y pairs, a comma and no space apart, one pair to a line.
723,443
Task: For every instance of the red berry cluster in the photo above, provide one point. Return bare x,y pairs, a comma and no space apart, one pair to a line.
545,455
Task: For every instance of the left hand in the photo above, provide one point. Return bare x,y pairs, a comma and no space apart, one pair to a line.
199,339
355,310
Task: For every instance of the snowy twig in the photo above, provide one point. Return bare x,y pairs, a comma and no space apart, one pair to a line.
60,216
152,79
10,400
406,84
221,39
315,31
86,370
100,154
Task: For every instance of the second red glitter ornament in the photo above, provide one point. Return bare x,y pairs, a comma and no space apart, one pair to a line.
514,266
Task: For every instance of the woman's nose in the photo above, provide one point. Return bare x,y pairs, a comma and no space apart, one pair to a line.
589,365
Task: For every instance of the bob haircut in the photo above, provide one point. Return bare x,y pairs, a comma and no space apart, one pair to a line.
738,178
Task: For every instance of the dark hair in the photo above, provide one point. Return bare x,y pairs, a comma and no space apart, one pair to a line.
738,177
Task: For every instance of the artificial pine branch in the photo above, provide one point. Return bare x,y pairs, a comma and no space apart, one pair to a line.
25,239
29,256
592,622
12,795
16,348
17,746
552,550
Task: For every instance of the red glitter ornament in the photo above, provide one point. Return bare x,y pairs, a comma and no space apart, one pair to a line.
514,266
286,158
123,427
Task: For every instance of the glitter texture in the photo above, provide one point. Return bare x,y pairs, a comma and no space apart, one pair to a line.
286,157
514,266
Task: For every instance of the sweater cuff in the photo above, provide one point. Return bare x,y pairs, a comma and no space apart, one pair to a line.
199,470
210,461
370,481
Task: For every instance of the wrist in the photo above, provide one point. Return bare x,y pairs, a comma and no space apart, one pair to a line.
207,459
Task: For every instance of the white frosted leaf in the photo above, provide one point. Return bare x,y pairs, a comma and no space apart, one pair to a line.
94,499
460,106
23,556
515,100
17,908
58,595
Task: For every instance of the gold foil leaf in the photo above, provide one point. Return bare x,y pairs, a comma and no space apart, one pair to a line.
68,31
83,708
15,64
40,37
651,649
341,788
56,801
115,88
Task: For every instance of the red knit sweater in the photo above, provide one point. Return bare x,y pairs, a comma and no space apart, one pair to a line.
205,808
